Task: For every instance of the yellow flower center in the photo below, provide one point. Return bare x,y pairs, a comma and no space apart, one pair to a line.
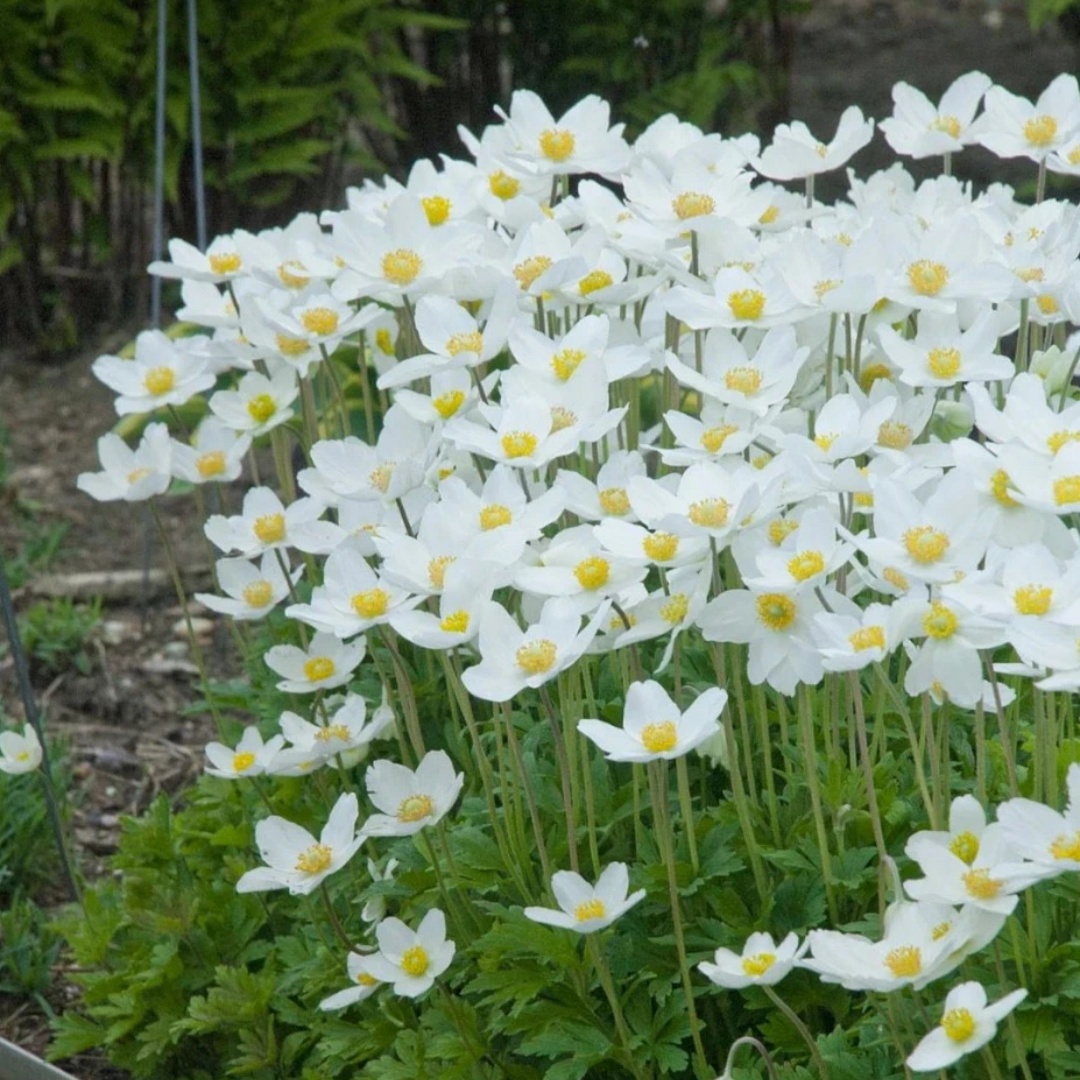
659,738
457,622
1059,439
243,761
288,277
159,380
940,930
502,185
228,263
825,286
712,439
895,578
384,342
436,569
1047,304
331,732
806,565
894,435
1033,599
381,475
943,363
473,342
258,594
1040,130
590,909
518,444
566,362
940,622
261,407
594,281
536,657
674,611
1067,490
769,215
414,961
319,320
269,528
401,267
821,150
370,604
437,208
981,885
290,346
319,668
415,808
950,125
904,962
743,380
1030,273
692,204
867,637
661,546
965,846
747,304
364,979
780,529
210,464
999,488
776,611
557,144
562,418
495,516
592,573
1067,847
927,278
530,269
614,501
958,1024
925,544
709,513
447,404
314,860
871,373
756,965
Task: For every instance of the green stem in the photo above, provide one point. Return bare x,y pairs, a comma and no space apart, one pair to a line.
813,781
608,985
801,1028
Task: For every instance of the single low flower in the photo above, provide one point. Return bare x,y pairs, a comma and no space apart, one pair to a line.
410,800
585,907
363,984
411,960
19,753
761,963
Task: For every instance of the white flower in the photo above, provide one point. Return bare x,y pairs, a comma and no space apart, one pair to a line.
761,963
1012,126
295,859
249,758
221,262
1049,839
653,727
795,153
326,664
216,454
131,475
345,731
19,753
374,908
967,1025
163,373
411,800
266,524
252,592
918,129
411,959
586,907
258,404
364,984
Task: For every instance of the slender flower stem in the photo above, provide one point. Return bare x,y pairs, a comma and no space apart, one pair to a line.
810,764
566,780
405,692
658,787
867,764
686,808
335,922
608,985
801,1028
748,1040
530,798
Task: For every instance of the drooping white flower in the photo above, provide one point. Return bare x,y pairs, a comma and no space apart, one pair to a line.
968,1023
364,984
411,960
654,728
19,753
1049,839
130,474
585,908
326,664
295,859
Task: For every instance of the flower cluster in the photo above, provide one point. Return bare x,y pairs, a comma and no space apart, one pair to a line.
685,408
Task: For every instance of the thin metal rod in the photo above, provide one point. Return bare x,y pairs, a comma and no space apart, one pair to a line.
196,123
159,166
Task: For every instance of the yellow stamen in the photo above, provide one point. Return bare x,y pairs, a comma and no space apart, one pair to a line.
472,341
895,578
319,320
557,144
781,529
594,281
712,439
755,966
566,362
709,513
562,418
315,859
927,278
210,464
614,501
291,346
1067,490
692,204
380,477
747,305
415,808
495,516
1047,305
776,611
1040,130
999,488
592,573
437,208
659,738
227,263
261,407
457,622
384,342
401,267
269,528
518,444
331,732
437,569
661,546
805,565
319,668
867,637
590,909
536,657
871,373
674,611
950,125
447,404
242,761
159,380
940,622
503,186
958,1024
925,544
743,380
526,272
370,604
905,962
965,846
1067,847
770,214
414,961
289,278
258,594
1033,599
943,363
825,286
981,885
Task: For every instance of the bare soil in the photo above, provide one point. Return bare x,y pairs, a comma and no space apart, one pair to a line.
126,723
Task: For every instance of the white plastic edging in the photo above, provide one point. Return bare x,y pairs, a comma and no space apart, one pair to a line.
16,1064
